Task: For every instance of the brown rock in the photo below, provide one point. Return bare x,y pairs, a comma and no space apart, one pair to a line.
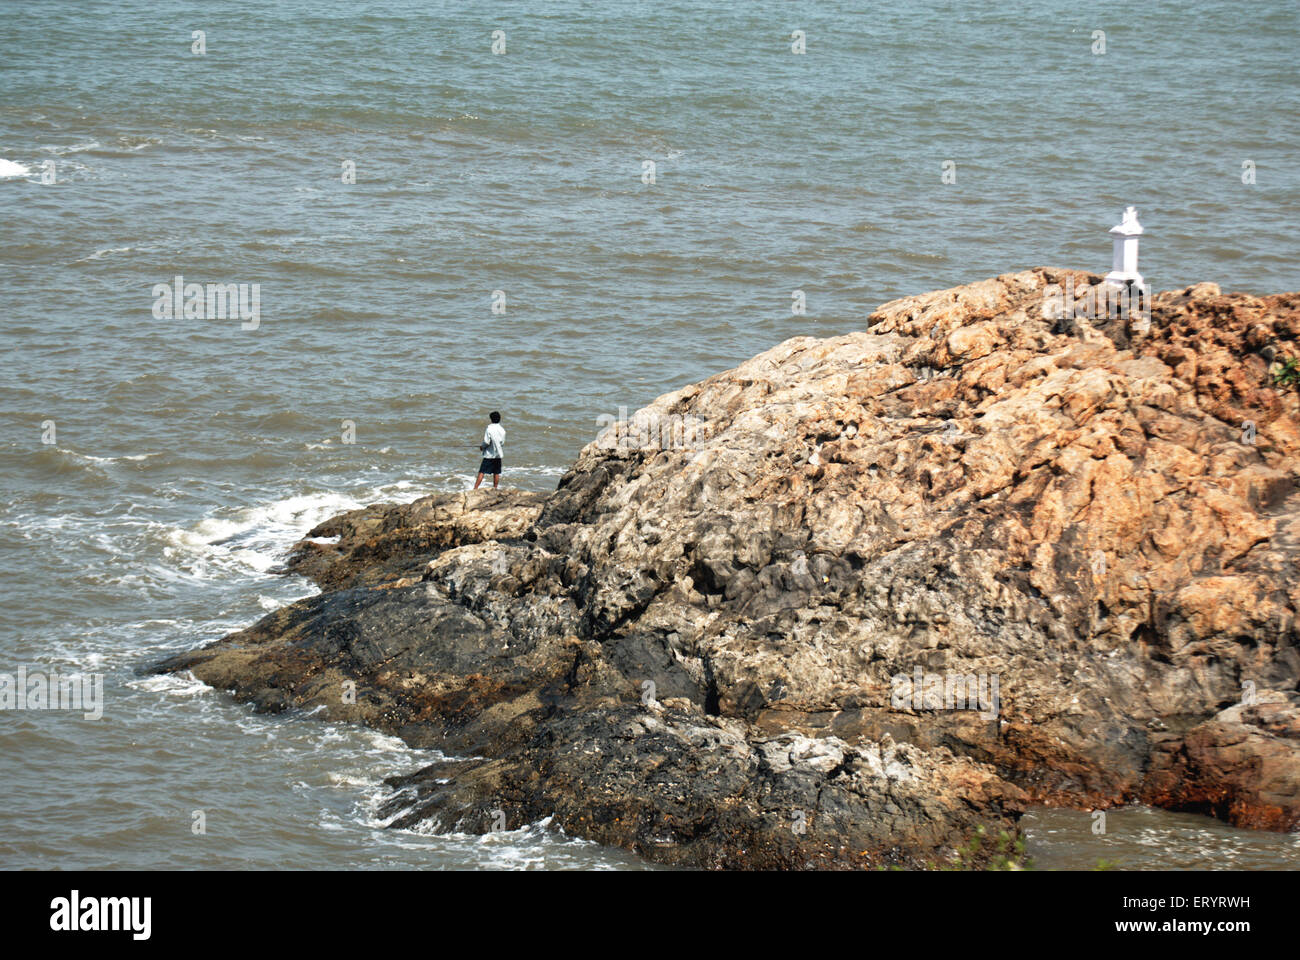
1103,519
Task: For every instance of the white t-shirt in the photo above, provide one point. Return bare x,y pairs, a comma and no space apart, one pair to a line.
495,438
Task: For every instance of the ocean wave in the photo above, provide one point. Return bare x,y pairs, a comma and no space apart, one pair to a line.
9,168
63,460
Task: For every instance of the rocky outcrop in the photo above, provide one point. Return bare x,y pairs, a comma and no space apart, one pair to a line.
385,542
1240,766
888,588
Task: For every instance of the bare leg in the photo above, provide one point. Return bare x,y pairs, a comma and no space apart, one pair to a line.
496,480
478,481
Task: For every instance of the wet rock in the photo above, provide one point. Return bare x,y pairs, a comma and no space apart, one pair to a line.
1242,766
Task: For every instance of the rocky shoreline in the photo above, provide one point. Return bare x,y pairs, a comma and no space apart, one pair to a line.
708,652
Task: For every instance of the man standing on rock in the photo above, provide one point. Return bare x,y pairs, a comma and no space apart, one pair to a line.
492,447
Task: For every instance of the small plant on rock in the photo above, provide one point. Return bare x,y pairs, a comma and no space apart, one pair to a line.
1286,373
1007,853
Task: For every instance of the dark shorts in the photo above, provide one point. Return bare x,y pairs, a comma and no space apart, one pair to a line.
490,465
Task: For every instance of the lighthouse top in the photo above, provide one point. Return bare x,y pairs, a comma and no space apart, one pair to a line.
1129,227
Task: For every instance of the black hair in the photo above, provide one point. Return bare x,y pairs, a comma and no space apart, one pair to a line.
494,417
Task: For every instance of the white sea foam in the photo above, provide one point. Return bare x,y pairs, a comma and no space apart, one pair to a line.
60,151
255,539
91,458
271,526
253,560
8,168
349,780
172,685
251,541
102,252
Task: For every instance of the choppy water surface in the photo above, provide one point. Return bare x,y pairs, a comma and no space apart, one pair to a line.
188,454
